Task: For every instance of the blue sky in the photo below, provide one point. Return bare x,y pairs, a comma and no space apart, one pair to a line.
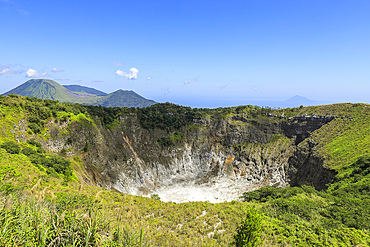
198,53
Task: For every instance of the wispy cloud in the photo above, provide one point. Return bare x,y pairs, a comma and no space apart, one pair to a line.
56,70
22,11
11,69
188,81
118,63
44,74
7,72
31,73
15,7
166,90
132,75
4,66
17,65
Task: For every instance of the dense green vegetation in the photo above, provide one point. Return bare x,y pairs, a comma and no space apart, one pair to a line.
52,164
11,147
44,201
166,116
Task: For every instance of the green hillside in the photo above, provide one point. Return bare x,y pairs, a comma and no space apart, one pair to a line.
83,89
48,199
49,89
123,97
43,89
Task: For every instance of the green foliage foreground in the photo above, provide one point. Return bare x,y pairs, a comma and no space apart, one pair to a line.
25,221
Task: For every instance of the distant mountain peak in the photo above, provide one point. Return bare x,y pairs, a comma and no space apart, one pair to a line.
40,88
299,98
49,89
122,90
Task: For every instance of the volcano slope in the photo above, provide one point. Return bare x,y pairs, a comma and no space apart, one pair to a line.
305,170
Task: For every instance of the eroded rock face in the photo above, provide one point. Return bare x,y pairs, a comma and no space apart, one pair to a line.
227,155
306,168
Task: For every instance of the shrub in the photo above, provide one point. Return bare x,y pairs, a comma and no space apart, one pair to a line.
249,231
11,147
28,151
52,172
59,164
177,136
34,127
34,119
33,142
86,147
155,197
165,141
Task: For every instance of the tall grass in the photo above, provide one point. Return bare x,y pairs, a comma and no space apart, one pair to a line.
26,221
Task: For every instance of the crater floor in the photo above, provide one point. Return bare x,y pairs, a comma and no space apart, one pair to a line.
215,192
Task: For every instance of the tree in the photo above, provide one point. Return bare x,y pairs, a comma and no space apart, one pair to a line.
249,231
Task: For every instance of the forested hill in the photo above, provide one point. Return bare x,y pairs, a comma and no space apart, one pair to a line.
83,89
49,89
67,172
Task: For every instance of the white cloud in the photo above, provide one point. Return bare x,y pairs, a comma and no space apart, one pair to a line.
119,63
57,70
32,73
7,72
44,74
121,73
132,75
149,78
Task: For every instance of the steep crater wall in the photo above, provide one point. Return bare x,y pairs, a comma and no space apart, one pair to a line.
244,153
